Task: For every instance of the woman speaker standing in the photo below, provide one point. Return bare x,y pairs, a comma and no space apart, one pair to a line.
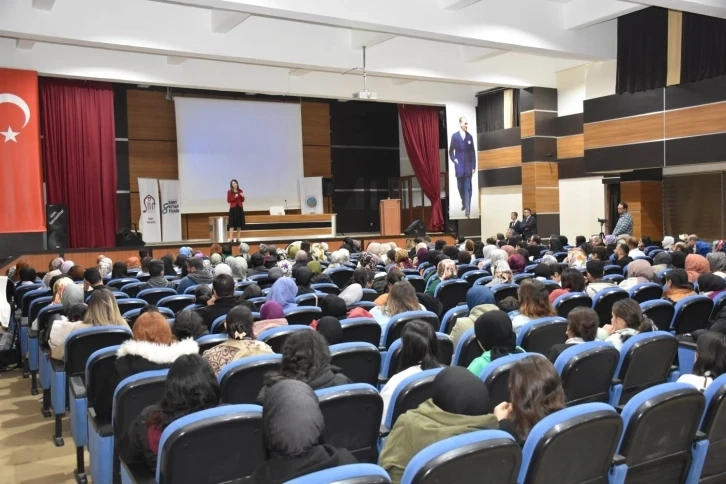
236,220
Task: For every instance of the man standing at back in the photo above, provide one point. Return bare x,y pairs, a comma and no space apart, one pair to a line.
515,225
625,222
463,154
529,224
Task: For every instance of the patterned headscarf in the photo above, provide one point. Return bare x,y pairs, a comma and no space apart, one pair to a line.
446,269
502,273
318,253
105,265
717,261
286,267
366,261
56,263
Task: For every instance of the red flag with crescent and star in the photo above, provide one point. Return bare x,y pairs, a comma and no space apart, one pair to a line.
21,179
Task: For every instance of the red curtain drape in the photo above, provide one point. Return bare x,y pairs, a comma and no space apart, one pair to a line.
79,157
420,125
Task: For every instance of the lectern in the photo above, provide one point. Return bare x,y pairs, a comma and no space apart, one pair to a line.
390,213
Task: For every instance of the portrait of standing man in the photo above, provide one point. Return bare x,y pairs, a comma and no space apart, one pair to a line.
463,154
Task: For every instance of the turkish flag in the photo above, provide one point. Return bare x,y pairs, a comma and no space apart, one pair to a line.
21,179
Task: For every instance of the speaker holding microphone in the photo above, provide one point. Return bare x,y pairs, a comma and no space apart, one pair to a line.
56,226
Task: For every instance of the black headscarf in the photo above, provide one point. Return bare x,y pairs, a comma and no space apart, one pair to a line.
168,265
556,245
457,390
291,418
430,303
330,328
303,276
332,305
664,258
711,282
679,259
495,334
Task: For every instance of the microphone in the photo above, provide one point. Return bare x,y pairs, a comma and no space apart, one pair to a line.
285,205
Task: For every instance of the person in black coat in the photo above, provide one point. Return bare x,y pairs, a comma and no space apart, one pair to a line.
293,425
515,225
529,224
306,358
190,386
222,301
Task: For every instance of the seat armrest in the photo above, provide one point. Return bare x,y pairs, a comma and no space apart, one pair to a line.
700,436
382,348
382,380
687,344
77,387
617,381
620,409
91,412
139,473
57,365
383,435
619,460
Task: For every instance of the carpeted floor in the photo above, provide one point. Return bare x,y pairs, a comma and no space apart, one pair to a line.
27,453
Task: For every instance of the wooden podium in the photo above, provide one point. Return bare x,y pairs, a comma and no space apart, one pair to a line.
390,213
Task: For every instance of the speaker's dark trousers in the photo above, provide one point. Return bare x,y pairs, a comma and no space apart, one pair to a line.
463,183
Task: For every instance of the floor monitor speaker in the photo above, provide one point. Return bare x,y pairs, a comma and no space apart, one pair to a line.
127,238
416,228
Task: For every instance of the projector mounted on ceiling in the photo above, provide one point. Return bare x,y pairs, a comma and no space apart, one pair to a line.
365,93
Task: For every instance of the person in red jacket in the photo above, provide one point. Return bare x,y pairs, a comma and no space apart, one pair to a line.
236,220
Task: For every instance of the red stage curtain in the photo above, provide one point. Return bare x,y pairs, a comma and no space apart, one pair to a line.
420,126
79,157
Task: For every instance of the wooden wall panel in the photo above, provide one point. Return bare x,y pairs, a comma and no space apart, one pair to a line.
645,203
546,174
150,116
88,259
315,123
636,129
571,146
698,120
317,161
500,158
152,159
630,192
548,200
526,121
529,175
529,198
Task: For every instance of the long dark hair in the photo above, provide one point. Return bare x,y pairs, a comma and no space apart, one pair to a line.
419,346
305,356
240,321
119,270
233,180
536,391
573,280
190,386
629,311
710,355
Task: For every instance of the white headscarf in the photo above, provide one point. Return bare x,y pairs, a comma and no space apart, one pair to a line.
222,268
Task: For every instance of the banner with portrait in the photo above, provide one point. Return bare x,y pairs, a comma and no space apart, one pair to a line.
171,226
462,159
150,220
311,195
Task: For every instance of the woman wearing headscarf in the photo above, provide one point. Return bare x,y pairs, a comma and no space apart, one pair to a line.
239,267
496,338
303,279
576,258
717,263
293,425
286,267
486,251
517,263
509,250
677,286
402,260
639,271
696,265
711,285
668,242
222,269
479,300
502,273
54,267
422,255
105,266
459,405
444,271
275,273
272,316
662,261
241,341
331,330
367,261
186,251
69,264
679,259
317,271
215,259
68,295
702,248
283,292
498,255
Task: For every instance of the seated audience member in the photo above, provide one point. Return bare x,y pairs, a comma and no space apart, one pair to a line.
272,316
331,330
303,278
53,270
64,268
144,266
196,274
576,258
119,271
645,242
59,285
517,263
27,275
76,273
285,266
677,286
536,391
696,265
556,245
639,271
542,272
717,263
431,304
306,358
502,273
419,352
283,291
627,320
572,280
71,296
241,343
679,259
168,261
582,324
383,285
402,298
156,279
202,294
332,305
479,300
458,406
422,256
633,248
353,292
662,261
318,277
190,387
710,360
496,338
580,240
337,259
600,253
92,279
293,425
668,242
445,270
509,305
221,302
402,259
702,248
533,303
188,324
622,258
464,257
102,311
257,265
594,275
711,285
239,267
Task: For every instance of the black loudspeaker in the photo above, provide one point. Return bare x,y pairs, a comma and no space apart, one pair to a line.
416,228
127,238
327,187
452,227
56,225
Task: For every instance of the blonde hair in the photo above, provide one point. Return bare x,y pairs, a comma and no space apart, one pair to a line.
103,310
402,298
59,286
